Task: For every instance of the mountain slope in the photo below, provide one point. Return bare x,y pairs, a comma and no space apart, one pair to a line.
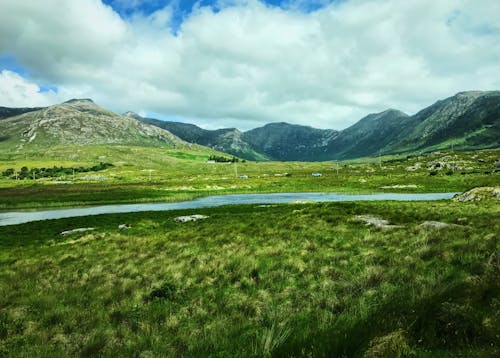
81,122
369,135
6,112
283,141
469,119
228,140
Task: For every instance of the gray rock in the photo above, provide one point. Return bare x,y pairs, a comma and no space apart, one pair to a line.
434,224
196,217
82,229
478,194
371,220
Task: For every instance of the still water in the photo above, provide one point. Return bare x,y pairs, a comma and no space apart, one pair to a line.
19,217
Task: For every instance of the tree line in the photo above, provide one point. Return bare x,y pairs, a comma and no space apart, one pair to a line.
221,159
35,173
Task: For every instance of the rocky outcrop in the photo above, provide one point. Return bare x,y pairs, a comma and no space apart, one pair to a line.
195,217
479,194
379,223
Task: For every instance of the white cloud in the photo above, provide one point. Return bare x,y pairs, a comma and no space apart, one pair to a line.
249,64
16,91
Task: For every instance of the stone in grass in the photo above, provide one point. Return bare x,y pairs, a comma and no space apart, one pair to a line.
479,193
124,227
434,224
375,221
81,229
196,217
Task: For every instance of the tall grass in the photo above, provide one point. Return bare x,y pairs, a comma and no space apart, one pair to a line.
286,280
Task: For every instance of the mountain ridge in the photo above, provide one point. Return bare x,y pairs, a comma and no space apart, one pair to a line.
467,120
82,122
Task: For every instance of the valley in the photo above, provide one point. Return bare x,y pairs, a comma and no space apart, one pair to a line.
303,278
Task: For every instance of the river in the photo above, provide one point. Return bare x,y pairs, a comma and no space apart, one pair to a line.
20,217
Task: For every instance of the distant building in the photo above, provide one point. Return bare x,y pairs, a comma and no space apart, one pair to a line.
316,174
210,161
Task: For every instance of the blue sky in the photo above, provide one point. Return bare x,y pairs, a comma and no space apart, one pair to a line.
183,8
245,63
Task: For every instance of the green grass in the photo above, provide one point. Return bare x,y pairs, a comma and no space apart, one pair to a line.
285,280
152,174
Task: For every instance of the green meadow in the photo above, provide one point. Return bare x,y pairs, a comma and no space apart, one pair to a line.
143,174
290,280
303,280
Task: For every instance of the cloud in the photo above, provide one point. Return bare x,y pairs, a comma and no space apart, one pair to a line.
248,63
16,91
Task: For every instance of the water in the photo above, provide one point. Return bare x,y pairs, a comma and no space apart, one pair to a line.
13,218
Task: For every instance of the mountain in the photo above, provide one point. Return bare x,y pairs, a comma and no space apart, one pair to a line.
467,120
369,135
283,141
470,120
6,112
228,140
81,122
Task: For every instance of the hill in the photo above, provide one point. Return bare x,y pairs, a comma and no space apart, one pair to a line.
80,122
468,120
228,140
283,141
6,112
465,121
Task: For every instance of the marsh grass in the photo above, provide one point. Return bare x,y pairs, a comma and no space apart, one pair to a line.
158,175
285,280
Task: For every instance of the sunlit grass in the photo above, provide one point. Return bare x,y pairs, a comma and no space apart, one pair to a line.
285,280
156,174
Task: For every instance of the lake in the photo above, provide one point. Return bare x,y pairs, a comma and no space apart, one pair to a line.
20,217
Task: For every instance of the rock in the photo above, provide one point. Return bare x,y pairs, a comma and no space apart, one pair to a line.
82,229
413,168
196,217
478,194
434,224
124,227
374,221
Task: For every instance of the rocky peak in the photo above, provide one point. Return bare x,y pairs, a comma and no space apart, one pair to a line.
80,100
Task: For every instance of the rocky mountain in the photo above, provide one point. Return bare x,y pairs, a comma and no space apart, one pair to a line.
283,141
82,122
228,140
467,120
6,112
369,135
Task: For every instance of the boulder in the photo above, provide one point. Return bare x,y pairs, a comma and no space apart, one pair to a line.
371,220
195,217
81,229
434,224
479,194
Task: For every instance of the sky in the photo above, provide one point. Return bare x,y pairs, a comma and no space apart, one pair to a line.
245,63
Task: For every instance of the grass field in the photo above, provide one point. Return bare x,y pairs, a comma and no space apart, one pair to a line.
285,280
163,175
308,280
